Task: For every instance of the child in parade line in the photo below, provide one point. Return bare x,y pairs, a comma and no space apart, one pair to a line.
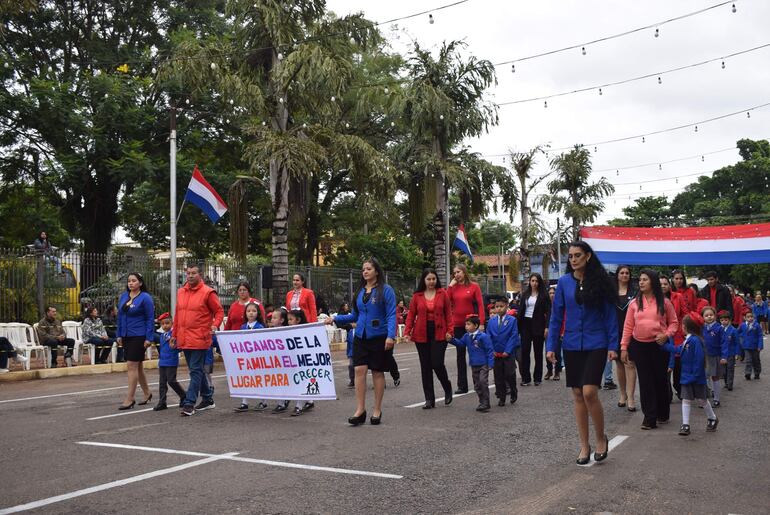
761,311
716,350
297,317
480,357
252,322
733,348
168,361
280,318
750,335
693,377
504,333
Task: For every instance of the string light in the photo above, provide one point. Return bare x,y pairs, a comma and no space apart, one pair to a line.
213,66
696,128
660,81
734,9
513,67
600,91
545,104
748,114
334,99
430,19
723,64
660,167
584,50
643,140
657,32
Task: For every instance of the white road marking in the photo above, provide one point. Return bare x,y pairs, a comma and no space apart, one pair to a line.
112,484
84,392
283,464
614,442
125,429
128,412
422,403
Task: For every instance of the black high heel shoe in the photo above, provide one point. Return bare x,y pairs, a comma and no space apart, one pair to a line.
429,405
123,407
599,456
584,461
448,397
148,399
357,421
375,421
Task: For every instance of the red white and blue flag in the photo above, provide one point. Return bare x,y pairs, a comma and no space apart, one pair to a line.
203,195
717,245
461,242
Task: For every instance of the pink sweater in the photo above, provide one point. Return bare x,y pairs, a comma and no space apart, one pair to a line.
646,324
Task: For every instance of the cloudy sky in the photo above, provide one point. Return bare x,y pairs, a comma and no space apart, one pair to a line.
507,30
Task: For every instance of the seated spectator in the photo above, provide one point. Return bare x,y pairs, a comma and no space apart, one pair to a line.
95,334
7,351
110,322
43,246
51,334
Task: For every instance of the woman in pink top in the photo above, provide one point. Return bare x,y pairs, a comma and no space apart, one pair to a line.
651,319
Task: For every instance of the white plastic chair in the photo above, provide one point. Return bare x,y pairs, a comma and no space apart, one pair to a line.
21,337
73,330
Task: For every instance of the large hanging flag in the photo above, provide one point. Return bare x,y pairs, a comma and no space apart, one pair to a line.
461,242
711,245
200,193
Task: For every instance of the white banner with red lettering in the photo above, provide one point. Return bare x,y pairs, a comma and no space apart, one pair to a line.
285,363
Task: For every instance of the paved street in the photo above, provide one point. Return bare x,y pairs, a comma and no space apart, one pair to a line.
516,459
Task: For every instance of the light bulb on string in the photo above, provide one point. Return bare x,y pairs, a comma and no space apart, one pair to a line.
347,125
733,8
702,158
392,124
643,140
386,90
677,180
545,104
660,167
6,66
153,71
334,99
513,68
280,100
583,50
213,66
441,117
660,81
617,172
430,19
696,128
264,123
657,32
723,65
640,187
748,114
347,155
304,125
600,92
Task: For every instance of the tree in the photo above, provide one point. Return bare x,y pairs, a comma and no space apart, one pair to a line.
283,67
487,236
442,104
571,193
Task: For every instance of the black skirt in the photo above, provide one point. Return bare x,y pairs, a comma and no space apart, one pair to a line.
584,367
133,348
371,352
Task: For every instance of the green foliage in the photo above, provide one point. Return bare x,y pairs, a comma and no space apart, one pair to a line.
486,236
751,278
394,252
648,212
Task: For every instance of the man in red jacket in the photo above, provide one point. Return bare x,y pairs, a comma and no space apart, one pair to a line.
198,315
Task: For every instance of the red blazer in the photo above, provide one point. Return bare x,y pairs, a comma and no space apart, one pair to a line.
680,306
417,319
739,309
689,298
306,303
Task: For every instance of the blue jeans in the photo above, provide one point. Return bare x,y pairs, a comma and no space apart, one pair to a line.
199,384
608,372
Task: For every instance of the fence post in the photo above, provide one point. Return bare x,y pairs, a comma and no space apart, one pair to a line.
40,284
350,285
309,278
259,284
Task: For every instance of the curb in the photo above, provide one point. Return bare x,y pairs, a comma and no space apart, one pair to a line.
85,370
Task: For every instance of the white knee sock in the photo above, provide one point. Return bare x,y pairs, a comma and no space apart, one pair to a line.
686,411
717,386
709,410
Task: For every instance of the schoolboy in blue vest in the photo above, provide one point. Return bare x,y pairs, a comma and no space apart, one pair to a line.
168,361
503,331
733,348
480,357
750,335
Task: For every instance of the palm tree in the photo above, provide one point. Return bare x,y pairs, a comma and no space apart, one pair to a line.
441,105
571,193
281,70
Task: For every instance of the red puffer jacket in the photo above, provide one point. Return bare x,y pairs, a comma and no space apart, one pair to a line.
197,309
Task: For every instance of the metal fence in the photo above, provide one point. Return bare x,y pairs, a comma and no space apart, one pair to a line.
71,281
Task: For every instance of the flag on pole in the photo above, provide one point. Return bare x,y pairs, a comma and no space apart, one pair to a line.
200,193
461,242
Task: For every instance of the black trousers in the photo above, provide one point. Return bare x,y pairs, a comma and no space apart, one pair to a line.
431,354
529,340
6,351
462,362
54,344
677,376
651,367
166,378
505,377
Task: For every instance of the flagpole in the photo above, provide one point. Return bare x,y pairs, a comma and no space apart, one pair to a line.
173,218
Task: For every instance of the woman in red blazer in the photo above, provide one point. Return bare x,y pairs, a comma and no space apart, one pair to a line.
465,297
428,323
302,298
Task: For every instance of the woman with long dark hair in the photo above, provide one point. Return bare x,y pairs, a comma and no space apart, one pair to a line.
651,321
626,371
136,330
465,298
585,303
427,324
236,315
533,314
374,312
679,285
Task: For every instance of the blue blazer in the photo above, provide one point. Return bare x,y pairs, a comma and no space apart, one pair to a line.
257,325
139,320
692,358
751,336
505,336
733,345
587,327
376,318
759,309
714,338
167,357
480,351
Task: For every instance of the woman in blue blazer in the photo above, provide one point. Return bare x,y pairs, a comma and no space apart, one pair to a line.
374,313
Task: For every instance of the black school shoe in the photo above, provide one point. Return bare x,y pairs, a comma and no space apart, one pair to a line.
684,430
748,377
483,407
711,425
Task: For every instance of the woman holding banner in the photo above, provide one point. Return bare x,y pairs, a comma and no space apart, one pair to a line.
374,312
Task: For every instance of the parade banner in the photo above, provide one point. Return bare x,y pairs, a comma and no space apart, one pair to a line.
711,245
284,363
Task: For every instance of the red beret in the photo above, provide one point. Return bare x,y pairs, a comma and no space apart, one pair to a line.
724,314
471,316
163,316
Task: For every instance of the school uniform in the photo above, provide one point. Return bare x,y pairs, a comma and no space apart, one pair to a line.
751,342
693,377
733,349
481,358
246,326
716,349
504,333
168,361
760,310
